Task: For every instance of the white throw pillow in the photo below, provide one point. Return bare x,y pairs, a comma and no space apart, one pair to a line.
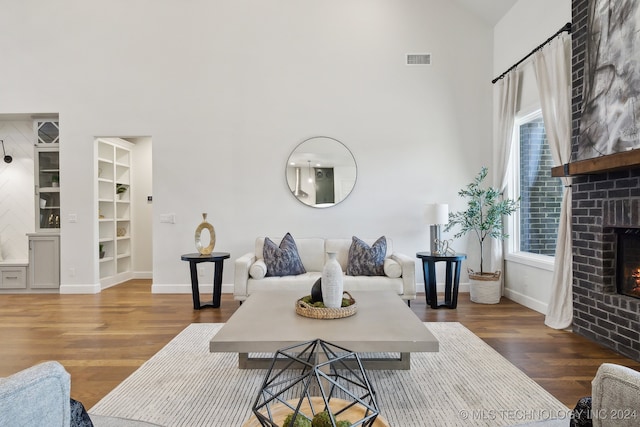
258,269
392,268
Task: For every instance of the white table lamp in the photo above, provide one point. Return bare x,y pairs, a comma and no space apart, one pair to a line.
436,214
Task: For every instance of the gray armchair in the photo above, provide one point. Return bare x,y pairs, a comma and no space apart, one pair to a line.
36,396
614,401
615,396
39,396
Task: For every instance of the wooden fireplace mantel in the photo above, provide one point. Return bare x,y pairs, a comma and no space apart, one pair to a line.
611,162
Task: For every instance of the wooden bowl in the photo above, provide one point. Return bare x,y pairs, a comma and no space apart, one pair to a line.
280,411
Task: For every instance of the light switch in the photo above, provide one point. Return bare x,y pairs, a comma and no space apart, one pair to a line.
73,218
168,218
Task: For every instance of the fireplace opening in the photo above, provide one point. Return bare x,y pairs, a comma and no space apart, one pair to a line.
628,262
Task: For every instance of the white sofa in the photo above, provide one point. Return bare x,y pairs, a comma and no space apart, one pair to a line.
250,268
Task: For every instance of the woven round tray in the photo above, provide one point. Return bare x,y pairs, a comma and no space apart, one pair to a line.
307,310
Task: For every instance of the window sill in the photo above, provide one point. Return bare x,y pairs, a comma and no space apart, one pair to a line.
542,262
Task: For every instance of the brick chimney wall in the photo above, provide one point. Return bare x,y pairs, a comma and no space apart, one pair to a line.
601,202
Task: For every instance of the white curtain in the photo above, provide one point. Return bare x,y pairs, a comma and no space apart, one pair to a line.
507,88
552,67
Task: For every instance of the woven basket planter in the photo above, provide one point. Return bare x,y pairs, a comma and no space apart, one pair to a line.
485,288
307,310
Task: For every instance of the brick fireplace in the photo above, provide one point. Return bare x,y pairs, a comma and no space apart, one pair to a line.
602,203
628,262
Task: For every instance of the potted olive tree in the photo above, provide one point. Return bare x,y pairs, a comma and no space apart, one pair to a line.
483,218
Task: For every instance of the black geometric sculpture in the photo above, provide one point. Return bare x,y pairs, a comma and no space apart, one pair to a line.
312,377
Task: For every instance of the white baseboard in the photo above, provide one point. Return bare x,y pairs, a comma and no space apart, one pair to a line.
81,289
185,288
175,289
143,274
527,301
462,288
107,283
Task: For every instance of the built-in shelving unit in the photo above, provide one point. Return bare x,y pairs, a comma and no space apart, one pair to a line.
114,210
47,175
43,270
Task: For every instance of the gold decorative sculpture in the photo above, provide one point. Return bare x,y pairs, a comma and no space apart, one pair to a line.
205,250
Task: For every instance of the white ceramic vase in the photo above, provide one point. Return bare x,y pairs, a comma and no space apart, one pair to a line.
332,282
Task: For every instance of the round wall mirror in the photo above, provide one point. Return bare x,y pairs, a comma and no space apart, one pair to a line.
321,172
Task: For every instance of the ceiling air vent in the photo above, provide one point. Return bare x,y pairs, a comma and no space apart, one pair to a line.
419,59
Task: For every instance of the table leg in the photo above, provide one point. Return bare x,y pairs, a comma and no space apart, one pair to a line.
195,288
217,284
425,274
456,284
447,284
432,285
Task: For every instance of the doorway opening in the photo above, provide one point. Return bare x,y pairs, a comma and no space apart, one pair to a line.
124,199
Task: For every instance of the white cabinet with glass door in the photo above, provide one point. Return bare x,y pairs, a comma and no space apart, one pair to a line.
44,244
47,175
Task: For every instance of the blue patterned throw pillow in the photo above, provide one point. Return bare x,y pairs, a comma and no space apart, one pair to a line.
282,260
365,260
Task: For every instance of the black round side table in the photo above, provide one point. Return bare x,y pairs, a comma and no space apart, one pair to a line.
217,258
452,278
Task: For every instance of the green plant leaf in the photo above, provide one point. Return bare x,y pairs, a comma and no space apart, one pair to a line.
486,209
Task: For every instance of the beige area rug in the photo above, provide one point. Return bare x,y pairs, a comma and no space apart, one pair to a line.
466,383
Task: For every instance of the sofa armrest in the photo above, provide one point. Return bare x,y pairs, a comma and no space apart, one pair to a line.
241,275
39,395
615,396
408,275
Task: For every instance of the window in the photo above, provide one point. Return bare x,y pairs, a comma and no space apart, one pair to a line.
534,227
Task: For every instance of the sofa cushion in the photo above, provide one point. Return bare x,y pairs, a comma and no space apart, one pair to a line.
301,282
365,260
304,282
282,260
392,268
310,249
341,248
258,269
312,253
372,283
79,416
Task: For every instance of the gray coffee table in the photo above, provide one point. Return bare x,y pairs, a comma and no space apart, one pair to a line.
267,321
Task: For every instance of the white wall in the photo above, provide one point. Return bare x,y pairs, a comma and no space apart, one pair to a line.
226,89
142,209
525,26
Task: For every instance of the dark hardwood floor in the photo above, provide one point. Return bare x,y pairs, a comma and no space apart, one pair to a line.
103,338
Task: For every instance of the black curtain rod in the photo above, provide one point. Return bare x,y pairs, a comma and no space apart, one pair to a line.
567,28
